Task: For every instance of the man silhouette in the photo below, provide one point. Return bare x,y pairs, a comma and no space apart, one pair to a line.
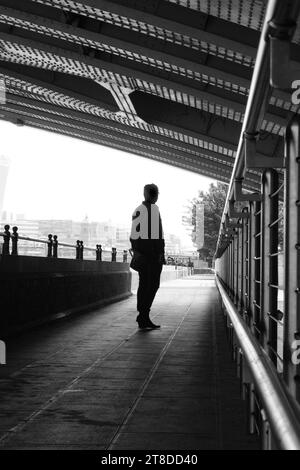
148,245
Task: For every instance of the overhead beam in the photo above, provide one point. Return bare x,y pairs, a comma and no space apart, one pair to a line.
82,37
162,23
15,112
125,145
93,69
45,110
52,87
94,40
199,142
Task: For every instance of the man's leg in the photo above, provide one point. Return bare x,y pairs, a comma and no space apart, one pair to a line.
142,296
153,283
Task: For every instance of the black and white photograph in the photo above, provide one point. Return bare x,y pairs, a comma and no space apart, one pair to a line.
149,229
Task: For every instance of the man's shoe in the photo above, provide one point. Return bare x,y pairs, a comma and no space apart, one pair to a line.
152,325
143,324
146,324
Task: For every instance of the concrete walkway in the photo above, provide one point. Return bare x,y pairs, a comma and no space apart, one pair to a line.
96,382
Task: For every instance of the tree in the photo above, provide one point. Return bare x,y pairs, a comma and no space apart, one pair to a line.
214,201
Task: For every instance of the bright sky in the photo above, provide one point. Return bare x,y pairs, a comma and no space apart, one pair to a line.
58,177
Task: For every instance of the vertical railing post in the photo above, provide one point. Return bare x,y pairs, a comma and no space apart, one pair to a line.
239,269
78,249
247,268
264,288
14,241
55,247
257,271
232,266
252,266
50,246
231,274
6,241
270,262
292,259
236,268
229,267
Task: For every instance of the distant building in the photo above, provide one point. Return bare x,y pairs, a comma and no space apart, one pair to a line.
4,169
123,235
69,231
172,244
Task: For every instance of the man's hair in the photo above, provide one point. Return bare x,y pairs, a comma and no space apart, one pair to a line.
151,189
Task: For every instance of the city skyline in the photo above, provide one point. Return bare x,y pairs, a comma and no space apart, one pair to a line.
63,178
69,231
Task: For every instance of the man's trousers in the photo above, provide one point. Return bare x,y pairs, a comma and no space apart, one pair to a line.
149,281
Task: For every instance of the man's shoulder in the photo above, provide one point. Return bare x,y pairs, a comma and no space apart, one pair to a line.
138,209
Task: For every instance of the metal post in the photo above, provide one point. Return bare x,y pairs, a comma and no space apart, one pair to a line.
78,249
229,271
232,268
236,269
252,409
247,268
257,270
55,247
6,241
270,262
251,266
50,246
14,240
292,258
240,270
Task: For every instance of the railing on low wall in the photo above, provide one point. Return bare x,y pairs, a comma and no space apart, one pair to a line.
11,240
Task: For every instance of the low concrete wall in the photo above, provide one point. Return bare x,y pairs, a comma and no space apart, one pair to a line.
35,290
169,273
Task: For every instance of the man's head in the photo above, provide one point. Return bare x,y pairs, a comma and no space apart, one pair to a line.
151,193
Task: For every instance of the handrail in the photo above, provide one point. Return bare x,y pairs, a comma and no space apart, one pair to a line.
280,14
45,242
282,411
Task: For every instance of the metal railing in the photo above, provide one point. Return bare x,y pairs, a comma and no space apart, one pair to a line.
264,331
270,399
10,247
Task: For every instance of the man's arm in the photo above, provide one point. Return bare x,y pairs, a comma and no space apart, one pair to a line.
135,242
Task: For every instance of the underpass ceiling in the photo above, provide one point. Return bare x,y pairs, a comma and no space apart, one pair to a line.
167,80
